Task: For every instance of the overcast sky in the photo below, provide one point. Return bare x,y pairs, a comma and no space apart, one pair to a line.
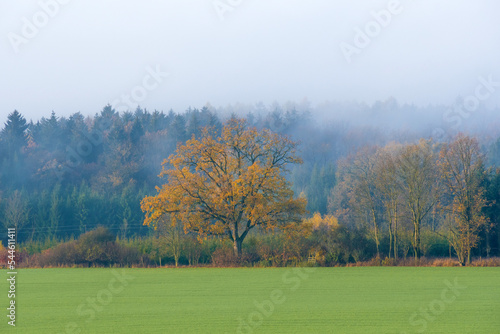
82,55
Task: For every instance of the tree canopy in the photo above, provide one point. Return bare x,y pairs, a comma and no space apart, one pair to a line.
228,184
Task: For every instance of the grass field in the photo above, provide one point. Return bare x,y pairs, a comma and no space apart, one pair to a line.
309,300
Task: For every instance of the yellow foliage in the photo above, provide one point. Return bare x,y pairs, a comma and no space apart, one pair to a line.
317,220
228,185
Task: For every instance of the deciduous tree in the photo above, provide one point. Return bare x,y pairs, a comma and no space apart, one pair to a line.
462,170
418,181
387,171
359,185
228,185
16,213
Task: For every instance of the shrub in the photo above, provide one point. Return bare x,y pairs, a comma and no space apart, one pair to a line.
434,245
225,257
269,250
488,262
341,245
389,262
3,257
94,248
445,262
97,247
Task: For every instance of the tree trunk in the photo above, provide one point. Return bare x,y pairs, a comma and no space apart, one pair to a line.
498,234
469,248
488,247
390,239
396,236
237,247
417,241
376,232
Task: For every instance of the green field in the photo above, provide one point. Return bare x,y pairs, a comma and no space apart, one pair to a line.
285,300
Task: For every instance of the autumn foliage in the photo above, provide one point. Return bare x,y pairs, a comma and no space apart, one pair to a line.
228,184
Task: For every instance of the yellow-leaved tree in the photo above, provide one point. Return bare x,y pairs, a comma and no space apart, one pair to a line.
228,184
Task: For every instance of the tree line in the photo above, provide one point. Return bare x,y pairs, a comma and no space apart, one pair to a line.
61,177
401,190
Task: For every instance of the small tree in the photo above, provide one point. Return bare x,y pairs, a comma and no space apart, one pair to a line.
16,211
170,239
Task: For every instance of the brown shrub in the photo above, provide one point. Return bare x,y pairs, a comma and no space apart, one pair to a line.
20,257
488,262
224,257
445,262
3,257
389,262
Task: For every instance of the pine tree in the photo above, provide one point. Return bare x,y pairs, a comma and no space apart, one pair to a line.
14,133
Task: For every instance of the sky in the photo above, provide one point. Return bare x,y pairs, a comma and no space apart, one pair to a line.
69,55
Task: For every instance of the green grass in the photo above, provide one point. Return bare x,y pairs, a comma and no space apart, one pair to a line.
327,300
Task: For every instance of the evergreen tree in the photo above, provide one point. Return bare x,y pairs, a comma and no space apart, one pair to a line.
14,135
136,132
178,129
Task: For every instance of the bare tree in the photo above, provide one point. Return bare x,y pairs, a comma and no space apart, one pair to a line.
462,170
387,184
418,182
16,211
357,193
170,238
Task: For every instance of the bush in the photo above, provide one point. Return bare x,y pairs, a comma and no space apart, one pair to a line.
389,262
94,248
3,257
445,262
488,262
434,245
225,257
341,245
269,250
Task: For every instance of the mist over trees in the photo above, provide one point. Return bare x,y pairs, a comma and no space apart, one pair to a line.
379,170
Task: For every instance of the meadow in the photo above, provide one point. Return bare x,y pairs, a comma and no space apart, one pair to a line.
252,300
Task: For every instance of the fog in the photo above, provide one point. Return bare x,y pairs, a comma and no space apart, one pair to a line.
71,56
362,94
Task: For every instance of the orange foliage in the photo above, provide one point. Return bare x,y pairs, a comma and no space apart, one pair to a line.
229,184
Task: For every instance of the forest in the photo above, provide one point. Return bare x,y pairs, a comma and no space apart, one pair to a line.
380,183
